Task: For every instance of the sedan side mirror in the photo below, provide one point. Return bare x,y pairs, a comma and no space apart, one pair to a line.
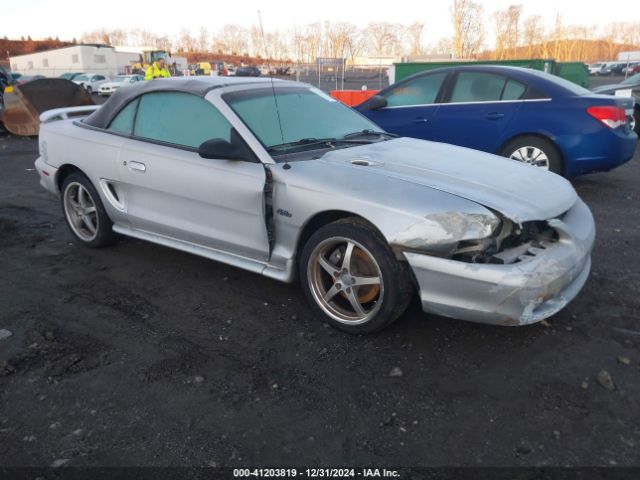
375,103
220,149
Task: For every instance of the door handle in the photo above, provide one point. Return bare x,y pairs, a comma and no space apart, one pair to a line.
420,120
494,116
138,166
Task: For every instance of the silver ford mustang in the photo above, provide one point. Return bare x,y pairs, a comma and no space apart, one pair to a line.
280,179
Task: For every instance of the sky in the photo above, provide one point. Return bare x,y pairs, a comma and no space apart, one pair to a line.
67,19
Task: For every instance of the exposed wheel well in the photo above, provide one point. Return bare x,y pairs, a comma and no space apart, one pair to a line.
522,135
321,219
63,172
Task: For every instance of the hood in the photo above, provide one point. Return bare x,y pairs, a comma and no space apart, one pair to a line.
519,191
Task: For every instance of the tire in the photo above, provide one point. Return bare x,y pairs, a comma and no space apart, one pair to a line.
370,258
532,144
84,212
636,115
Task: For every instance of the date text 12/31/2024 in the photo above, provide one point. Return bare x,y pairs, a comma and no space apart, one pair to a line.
315,473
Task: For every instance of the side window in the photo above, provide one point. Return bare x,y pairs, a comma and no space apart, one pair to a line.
477,87
123,121
180,118
513,90
420,91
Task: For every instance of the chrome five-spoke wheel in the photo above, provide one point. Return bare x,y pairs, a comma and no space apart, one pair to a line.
345,280
84,211
80,209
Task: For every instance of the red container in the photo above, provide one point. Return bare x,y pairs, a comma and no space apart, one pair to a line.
352,97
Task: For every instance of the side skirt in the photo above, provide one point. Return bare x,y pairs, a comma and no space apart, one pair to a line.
244,263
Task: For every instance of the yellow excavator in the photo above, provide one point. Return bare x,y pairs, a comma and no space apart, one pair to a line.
147,58
21,105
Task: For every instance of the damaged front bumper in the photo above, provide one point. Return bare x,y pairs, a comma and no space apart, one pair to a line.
520,293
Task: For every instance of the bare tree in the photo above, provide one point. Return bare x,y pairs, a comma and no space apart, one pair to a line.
187,42
203,39
414,37
468,29
383,38
507,30
532,33
444,46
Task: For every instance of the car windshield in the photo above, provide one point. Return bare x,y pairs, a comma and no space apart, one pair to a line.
308,116
120,78
634,79
82,77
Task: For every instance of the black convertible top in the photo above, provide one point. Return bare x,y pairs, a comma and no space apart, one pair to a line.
195,85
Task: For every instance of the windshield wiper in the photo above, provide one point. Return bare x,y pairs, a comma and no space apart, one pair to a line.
303,142
367,132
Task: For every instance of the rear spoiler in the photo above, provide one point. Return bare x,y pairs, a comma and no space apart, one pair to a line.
67,112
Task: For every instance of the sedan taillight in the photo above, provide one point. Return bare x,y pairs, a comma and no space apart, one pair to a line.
612,117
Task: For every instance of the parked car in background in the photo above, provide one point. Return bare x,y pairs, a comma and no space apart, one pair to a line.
71,75
629,87
304,187
121,81
248,72
628,69
231,71
617,68
520,113
601,68
15,76
91,81
22,79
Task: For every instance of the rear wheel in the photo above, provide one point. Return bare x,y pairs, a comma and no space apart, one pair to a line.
85,213
535,151
351,276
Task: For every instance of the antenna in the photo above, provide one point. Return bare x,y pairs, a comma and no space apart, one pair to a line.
273,88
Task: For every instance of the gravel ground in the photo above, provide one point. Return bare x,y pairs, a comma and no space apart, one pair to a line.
142,355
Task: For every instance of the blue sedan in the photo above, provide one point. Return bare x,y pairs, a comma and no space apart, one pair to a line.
518,113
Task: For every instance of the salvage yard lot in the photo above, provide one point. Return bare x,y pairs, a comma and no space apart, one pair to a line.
143,355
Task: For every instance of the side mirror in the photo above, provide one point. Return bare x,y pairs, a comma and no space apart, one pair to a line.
220,149
375,103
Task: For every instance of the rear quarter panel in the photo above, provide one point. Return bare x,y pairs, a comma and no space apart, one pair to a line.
94,152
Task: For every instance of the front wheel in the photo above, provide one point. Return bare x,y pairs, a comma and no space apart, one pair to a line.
536,151
351,276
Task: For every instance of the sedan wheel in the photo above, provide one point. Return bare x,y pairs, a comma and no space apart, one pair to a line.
531,155
536,151
84,212
352,277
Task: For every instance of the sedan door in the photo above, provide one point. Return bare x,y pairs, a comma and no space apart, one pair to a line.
169,190
411,107
479,109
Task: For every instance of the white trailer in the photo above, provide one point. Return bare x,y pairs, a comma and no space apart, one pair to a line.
629,56
77,58
102,59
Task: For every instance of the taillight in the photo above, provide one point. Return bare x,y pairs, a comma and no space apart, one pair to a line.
612,117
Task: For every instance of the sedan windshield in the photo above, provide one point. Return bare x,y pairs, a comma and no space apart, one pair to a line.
120,78
632,80
81,78
309,118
